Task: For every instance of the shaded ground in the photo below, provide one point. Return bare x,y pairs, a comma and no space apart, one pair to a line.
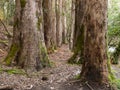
57,77
46,79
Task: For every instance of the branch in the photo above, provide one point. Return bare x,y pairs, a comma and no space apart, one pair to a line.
6,87
90,87
5,28
4,42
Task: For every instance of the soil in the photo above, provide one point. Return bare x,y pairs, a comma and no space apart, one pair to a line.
46,79
61,76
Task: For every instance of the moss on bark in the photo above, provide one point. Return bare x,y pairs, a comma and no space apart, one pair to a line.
12,54
77,58
39,22
23,3
79,40
44,57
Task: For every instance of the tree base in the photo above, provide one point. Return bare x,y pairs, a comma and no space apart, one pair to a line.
75,59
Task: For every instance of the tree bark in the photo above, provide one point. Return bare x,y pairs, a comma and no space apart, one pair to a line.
59,27
95,53
72,24
78,31
64,22
28,49
49,24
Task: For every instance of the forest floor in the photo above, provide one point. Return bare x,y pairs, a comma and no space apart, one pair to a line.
61,76
46,79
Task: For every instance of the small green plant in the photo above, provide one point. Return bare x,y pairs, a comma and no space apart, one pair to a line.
13,71
77,77
114,81
118,84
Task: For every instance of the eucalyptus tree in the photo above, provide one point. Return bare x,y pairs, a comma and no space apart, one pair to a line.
28,48
94,66
49,14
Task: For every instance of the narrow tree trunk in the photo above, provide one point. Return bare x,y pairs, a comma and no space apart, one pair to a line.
54,23
72,24
95,54
49,24
59,22
28,48
64,22
78,32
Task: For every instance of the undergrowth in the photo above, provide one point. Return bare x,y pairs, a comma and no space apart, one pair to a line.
115,83
13,71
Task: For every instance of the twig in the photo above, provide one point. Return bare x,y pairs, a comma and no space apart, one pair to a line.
90,87
6,87
4,42
74,81
5,28
1,51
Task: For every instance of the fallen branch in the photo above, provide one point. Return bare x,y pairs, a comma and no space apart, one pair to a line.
1,51
5,28
90,87
6,87
4,42
74,81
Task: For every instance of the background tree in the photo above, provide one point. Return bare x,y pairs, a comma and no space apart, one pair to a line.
7,8
59,28
78,29
49,24
72,23
64,22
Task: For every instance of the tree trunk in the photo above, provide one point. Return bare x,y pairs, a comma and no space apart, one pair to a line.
49,24
95,53
72,24
78,32
59,22
64,22
28,48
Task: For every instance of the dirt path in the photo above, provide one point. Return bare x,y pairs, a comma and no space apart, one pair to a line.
61,72
46,79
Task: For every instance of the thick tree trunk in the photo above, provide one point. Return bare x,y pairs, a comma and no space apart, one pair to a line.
28,48
49,24
59,22
95,54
